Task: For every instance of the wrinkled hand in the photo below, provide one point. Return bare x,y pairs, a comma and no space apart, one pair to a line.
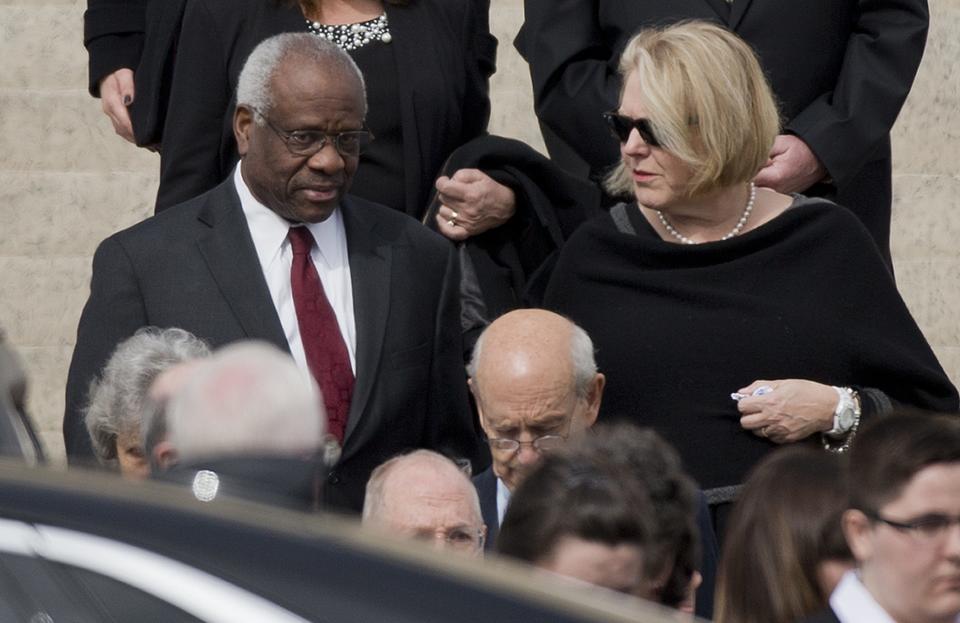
471,203
794,410
116,93
792,167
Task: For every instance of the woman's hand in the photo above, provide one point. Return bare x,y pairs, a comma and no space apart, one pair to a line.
793,410
116,94
471,203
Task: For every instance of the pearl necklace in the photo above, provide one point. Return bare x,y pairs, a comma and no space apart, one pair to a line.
733,232
353,36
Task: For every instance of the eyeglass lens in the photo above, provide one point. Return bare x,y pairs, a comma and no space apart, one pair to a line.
621,126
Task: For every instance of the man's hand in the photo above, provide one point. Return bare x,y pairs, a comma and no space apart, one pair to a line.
116,93
792,167
791,410
471,203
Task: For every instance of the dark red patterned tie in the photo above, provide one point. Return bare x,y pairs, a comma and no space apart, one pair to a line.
326,351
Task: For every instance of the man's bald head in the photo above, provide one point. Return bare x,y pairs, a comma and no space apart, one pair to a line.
533,374
534,345
424,495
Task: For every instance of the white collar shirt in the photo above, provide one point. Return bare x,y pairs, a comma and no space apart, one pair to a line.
503,498
269,232
853,603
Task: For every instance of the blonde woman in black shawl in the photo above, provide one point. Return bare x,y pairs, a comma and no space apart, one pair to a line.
731,318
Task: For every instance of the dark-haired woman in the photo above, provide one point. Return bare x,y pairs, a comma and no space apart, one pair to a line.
784,550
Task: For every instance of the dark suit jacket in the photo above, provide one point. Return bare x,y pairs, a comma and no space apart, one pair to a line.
196,268
140,35
486,484
826,616
444,55
840,70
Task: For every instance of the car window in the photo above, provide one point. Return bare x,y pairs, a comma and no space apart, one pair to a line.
36,591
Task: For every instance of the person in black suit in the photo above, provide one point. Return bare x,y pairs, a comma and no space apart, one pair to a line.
536,385
840,70
224,266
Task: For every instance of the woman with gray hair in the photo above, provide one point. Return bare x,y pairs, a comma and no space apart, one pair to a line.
731,318
119,396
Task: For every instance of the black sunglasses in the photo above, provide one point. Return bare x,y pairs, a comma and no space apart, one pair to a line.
621,126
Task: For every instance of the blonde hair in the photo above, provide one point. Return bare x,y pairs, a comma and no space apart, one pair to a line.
708,101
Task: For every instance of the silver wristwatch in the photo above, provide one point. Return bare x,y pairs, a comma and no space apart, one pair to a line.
846,415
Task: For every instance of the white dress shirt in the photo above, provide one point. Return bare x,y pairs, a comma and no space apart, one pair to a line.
503,498
853,603
269,232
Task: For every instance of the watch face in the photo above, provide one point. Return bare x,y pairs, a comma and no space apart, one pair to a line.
846,417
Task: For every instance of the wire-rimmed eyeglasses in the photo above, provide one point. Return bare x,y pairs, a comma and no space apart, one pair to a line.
350,143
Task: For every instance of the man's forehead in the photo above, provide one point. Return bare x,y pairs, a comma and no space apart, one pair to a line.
297,74
935,488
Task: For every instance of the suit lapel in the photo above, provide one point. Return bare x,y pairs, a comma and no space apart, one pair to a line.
721,8
231,257
737,11
370,266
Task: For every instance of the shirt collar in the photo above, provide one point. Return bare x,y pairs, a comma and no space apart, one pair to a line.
503,498
851,601
269,230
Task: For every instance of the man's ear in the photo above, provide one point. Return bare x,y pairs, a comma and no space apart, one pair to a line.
858,531
476,400
165,455
243,122
594,398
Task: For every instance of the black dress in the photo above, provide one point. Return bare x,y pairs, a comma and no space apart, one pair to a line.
678,328
433,75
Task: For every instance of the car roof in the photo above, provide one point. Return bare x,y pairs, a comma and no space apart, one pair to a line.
320,566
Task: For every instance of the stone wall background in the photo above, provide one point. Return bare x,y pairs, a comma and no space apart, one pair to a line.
67,181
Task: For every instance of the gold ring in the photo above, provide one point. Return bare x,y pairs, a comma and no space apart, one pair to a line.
452,222
453,215
763,431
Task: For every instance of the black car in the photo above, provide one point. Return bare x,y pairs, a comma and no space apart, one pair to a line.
89,547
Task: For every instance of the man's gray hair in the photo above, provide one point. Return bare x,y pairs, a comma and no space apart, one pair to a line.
374,498
249,399
118,396
581,357
253,86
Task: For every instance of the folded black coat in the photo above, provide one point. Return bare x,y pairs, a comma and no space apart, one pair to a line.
499,263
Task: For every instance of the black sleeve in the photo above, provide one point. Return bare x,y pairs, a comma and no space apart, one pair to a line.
113,312
574,75
888,351
200,101
113,33
843,127
481,63
450,424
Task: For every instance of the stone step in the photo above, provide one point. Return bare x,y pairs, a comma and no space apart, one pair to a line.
43,130
926,138
926,217
66,214
42,45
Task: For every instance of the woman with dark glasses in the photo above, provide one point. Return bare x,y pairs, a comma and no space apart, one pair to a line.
731,318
